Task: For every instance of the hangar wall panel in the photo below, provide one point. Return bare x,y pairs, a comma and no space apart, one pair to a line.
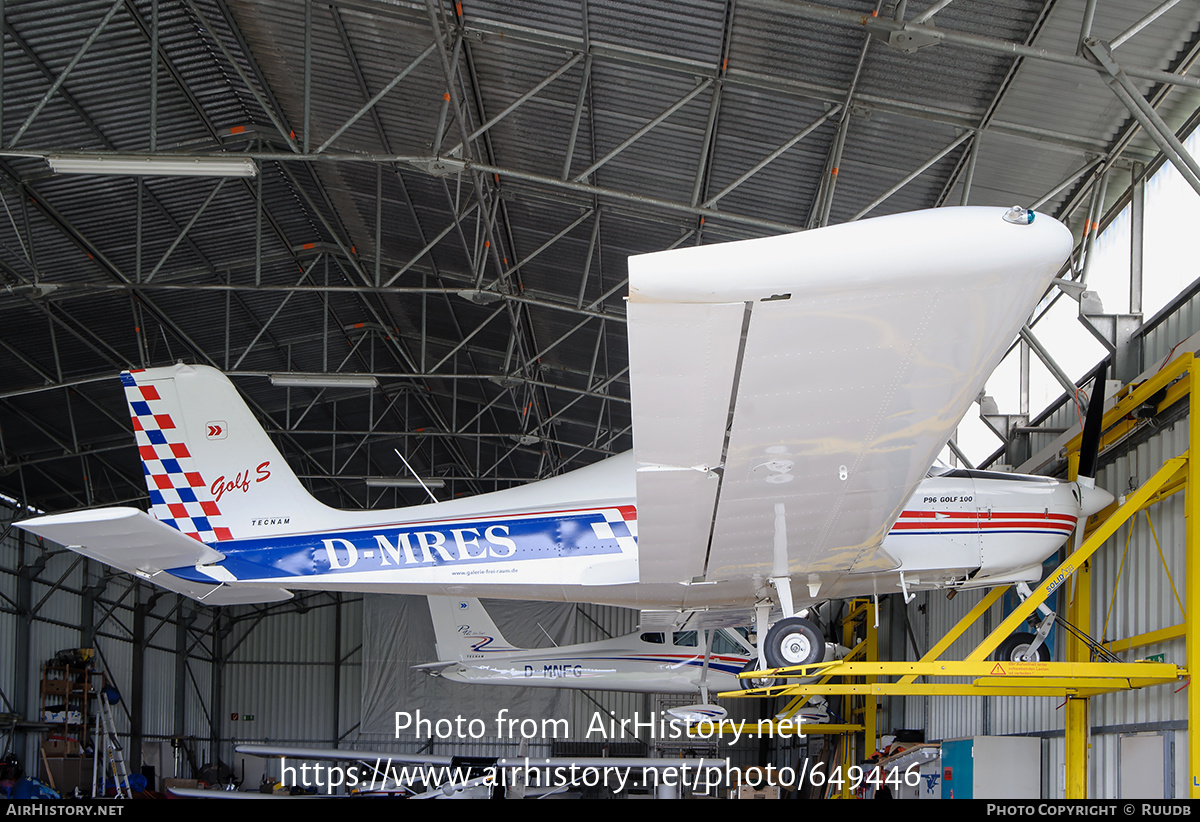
944,718
197,699
1132,578
159,697
349,709
290,702
279,675
116,657
294,637
10,623
1178,324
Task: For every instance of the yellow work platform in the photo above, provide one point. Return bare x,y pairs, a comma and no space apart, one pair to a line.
988,678
770,729
858,676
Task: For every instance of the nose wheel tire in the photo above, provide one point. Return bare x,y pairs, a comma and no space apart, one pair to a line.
1016,646
793,641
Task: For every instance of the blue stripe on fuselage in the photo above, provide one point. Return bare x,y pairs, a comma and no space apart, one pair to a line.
473,543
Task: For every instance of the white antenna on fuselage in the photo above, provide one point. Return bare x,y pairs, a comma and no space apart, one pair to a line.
414,473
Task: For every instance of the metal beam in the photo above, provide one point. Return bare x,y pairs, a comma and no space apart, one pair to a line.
179,238
1156,129
921,169
235,64
1026,334
1137,225
774,155
584,83
641,132
884,26
370,104
65,73
1144,21
588,189
657,62
927,15
515,104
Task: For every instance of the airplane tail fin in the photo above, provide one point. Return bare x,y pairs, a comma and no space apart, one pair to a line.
211,470
464,630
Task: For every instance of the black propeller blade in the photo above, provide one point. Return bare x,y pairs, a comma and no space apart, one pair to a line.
1089,445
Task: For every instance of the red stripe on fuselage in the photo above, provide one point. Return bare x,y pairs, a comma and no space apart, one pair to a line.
984,515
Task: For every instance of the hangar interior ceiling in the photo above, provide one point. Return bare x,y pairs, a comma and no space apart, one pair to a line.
448,192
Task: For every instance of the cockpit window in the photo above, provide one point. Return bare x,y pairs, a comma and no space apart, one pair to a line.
723,643
941,469
653,639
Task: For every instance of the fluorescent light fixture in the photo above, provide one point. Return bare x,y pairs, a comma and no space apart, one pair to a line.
324,380
480,297
402,482
159,165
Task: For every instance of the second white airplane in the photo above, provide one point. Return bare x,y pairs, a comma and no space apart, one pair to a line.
472,650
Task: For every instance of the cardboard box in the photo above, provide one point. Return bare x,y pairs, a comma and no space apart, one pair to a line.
762,792
62,746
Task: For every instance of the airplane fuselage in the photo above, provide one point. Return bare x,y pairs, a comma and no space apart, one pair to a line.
647,661
963,528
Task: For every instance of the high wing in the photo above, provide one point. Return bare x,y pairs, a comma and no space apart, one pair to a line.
785,409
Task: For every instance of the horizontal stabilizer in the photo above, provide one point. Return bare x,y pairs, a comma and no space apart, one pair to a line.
342,755
137,543
436,667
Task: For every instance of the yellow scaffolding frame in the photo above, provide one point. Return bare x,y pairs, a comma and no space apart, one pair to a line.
784,722
1077,679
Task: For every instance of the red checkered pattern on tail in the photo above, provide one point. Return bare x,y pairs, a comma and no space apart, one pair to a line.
178,494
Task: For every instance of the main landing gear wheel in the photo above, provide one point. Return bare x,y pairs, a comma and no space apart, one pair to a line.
751,684
1016,646
793,641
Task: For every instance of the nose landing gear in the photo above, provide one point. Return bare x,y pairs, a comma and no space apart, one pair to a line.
793,641
1027,647
1020,647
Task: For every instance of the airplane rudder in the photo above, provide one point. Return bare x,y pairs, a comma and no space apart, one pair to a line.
208,462
178,493
462,625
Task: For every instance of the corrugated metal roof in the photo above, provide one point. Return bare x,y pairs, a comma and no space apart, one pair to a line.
370,240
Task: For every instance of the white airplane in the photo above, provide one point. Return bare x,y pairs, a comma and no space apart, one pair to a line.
471,650
430,776
789,393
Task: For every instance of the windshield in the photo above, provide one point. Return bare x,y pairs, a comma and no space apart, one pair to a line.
938,469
